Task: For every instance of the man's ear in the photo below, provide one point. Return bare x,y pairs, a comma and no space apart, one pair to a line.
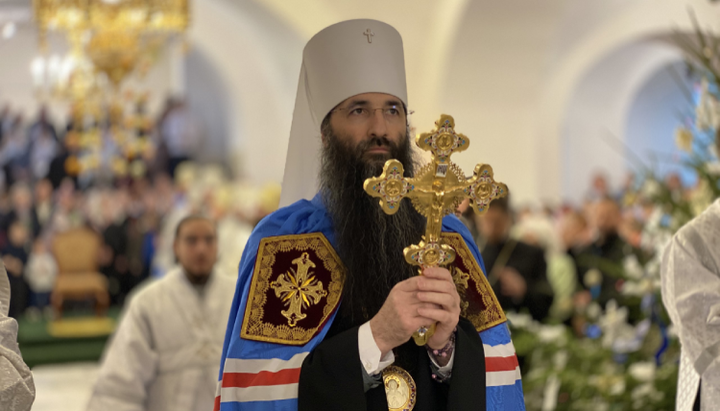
323,139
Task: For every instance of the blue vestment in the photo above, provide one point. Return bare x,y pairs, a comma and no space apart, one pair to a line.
263,376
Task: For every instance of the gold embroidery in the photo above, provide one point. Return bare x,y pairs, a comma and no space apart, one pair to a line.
460,278
461,283
254,327
493,314
299,290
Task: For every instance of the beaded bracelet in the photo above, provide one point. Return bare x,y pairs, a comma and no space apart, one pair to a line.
444,351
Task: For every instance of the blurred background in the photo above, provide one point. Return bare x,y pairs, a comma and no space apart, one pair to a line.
119,117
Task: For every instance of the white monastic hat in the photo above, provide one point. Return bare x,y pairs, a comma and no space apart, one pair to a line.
341,61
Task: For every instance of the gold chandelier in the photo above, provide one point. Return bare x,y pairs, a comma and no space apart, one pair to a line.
115,15
113,37
112,33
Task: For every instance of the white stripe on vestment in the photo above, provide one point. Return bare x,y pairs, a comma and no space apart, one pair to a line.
499,378
503,350
260,393
269,365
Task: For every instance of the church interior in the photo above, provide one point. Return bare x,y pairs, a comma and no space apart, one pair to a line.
118,118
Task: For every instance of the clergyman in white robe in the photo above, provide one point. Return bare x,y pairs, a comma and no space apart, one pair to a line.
691,293
166,351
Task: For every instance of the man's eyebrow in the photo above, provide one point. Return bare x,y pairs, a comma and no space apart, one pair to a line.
357,103
393,102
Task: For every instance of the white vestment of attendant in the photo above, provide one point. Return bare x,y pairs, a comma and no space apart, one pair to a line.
165,354
691,293
17,389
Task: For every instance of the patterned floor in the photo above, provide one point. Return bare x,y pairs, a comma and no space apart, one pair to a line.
64,387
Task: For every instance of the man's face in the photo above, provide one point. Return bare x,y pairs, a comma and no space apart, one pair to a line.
494,225
196,248
607,217
371,121
43,191
359,136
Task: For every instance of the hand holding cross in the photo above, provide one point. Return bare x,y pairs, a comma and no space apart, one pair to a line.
436,191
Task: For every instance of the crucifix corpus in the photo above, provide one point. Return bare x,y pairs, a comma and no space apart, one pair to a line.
437,190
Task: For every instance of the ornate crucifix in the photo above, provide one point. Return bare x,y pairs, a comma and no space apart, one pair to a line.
436,191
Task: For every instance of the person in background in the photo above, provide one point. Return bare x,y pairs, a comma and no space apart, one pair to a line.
574,234
43,148
165,353
4,121
13,152
40,275
537,230
516,270
43,206
180,135
17,388
599,264
599,189
42,127
15,257
21,202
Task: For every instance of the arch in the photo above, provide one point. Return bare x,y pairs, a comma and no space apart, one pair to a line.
252,50
644,20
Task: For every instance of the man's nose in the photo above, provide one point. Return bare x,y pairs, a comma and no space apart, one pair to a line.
377,124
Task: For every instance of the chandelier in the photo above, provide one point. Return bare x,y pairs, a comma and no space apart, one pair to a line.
136,16
108,40
111,32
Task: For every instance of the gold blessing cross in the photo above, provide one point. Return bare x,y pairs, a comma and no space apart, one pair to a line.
436,191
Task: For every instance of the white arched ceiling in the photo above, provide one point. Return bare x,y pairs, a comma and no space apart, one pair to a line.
633,22
593,133
209,101
660,105
495,74
250,49
506,70
429,29
516,65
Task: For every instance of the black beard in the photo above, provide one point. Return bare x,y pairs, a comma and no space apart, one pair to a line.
370,242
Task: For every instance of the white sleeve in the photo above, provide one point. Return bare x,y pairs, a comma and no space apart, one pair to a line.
695,294
129,366
370,353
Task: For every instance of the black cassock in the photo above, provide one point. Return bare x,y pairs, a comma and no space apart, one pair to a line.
331,376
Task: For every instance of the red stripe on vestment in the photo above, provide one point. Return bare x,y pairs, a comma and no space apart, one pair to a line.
500,363
244,380
216,407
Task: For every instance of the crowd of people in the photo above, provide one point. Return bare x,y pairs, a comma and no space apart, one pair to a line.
548,261
134,215
552,262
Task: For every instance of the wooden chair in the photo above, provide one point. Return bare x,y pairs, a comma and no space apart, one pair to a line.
76,252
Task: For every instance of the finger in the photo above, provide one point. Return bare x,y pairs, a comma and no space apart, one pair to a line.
438,273
441,316
447,301
408,285
439,286
411,310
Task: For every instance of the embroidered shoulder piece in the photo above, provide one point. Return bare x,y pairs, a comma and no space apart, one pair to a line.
296,286
479,303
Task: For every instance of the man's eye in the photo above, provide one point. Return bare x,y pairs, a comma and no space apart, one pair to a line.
393,111
357,111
